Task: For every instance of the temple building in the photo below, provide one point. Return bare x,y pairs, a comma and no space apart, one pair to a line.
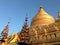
43,30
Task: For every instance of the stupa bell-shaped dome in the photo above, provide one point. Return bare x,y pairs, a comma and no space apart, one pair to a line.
42,18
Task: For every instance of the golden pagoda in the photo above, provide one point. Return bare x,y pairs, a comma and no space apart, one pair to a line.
43,30
42,18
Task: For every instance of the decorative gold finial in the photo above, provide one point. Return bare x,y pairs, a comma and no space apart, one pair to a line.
41,6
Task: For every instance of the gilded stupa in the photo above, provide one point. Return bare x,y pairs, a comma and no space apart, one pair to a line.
43,30
42,18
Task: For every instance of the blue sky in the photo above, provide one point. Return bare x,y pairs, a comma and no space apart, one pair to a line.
16,11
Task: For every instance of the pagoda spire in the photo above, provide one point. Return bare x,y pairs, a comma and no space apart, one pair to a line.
25,32
4,33
26,21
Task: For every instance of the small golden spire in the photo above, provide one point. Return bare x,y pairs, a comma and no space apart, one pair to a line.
41,7
59,15
12,33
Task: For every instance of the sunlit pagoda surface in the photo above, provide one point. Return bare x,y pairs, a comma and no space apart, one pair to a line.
44,30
